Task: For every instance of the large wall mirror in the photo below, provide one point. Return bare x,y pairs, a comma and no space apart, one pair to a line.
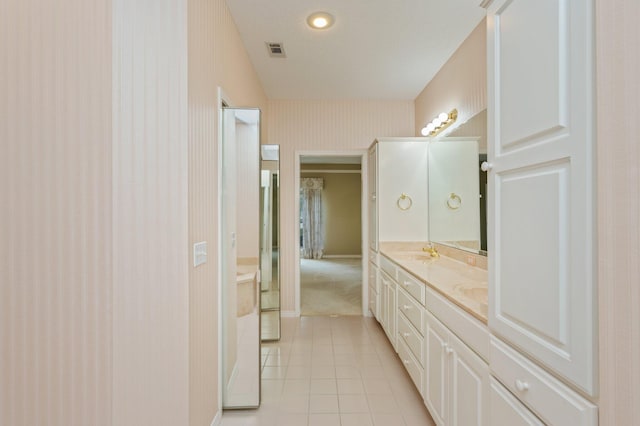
269,242
240,257
458,187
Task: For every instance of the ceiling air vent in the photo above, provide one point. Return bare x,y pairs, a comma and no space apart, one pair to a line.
276,50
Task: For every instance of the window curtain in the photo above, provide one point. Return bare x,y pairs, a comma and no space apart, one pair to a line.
311,217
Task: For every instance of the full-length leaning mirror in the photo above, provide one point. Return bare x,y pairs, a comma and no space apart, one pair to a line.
240,255
458,187
269,242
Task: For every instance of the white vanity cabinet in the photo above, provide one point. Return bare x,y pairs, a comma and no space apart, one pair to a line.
397,181
506,409
374,289
456,378
388,276
541,215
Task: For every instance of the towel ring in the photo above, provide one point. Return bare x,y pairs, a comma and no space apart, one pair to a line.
404,202
454,201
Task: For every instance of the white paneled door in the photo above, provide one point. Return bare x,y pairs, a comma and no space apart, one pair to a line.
541,207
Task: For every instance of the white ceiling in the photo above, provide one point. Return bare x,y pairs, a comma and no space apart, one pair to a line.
377,49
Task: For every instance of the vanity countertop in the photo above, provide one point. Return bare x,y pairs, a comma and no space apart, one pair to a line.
464,285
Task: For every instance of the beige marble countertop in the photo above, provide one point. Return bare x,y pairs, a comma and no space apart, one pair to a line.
462,284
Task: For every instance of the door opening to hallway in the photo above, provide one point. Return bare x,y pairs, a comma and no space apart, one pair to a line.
330,235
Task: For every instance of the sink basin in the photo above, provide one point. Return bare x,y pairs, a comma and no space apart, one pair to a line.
479,294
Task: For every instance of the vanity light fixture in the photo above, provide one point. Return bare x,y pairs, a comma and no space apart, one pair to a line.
320,20
441,122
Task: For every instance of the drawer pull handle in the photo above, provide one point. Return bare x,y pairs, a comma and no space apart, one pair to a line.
406,307
407,283
522,386
406,334
448,350
406,362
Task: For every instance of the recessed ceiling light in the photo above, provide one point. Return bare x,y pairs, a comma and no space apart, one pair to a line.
320,20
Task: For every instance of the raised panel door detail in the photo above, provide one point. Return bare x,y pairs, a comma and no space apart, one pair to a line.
541,51
535,303
469,382
541,209
436,387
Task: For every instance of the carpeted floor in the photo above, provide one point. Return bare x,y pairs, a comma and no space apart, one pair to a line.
331,287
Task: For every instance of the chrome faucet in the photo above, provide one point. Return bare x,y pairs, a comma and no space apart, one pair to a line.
433,252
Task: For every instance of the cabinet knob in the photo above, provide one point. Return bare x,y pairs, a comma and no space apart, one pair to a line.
448,350
406,334
486,166
373,197
406,283
522,386
406,307
406,362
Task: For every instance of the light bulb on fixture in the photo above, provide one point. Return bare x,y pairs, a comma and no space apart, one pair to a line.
440,123
320,20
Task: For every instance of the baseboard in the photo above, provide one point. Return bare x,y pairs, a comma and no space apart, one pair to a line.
217,420
342,256
289,314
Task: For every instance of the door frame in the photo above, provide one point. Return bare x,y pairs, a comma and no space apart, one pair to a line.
364,219
222,98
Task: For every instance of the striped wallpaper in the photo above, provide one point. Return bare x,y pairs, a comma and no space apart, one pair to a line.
217,58
618,179
55,213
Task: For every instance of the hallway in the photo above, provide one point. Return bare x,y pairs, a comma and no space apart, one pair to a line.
333,371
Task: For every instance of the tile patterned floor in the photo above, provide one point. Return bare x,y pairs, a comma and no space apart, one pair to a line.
330,371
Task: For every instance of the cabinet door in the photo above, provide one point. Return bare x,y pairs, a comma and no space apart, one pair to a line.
505,409
373,290
384,297
435,368
372,182
392,309
469,381
541,184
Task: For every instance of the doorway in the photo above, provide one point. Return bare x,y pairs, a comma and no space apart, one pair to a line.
330,268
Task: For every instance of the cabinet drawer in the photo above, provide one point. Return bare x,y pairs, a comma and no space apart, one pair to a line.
413,367
389,267
412,285
505,409
550,399
411,310
373,257
411,337
471,331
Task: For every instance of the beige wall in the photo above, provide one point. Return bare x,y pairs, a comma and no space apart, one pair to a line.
323,125
618,177
150,264
55,214
461,83
107,158
341,210
216,58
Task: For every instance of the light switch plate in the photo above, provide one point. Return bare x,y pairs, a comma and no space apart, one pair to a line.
199,253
